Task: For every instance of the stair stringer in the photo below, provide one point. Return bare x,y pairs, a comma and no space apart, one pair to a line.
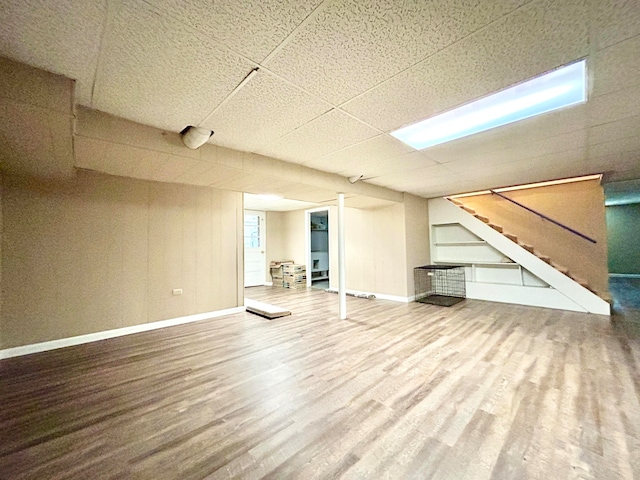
441,211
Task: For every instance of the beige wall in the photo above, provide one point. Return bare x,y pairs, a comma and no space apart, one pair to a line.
382,245
375,250
417,228
104,252
579,205
275,239
294,239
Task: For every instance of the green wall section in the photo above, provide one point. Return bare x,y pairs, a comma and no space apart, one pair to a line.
623,237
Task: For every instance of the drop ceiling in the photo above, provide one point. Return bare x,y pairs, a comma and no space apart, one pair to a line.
335,77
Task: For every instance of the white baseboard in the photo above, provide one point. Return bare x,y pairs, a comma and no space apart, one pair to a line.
268,284
118,332
380,296
625,275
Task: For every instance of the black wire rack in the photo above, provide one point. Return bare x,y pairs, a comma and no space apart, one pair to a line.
440,284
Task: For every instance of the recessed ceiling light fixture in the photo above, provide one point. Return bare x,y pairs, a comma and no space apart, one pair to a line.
551,91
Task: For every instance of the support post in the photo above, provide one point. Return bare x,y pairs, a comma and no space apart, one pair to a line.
342,284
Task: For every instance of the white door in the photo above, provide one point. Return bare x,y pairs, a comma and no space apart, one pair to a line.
254,248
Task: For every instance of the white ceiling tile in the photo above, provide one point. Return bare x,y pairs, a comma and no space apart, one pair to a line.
403,163
430,175
61,36
527,149
614,106
532,40
628,144
381,148
258,202
156,69
264,110
529,131
381,37
253,29
332,131
614,21
627,127
617,67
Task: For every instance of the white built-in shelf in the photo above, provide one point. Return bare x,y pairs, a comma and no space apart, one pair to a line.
474,262
313,279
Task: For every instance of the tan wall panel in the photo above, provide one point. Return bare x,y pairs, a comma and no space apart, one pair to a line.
104,252
417,228
376,257
579,205
374,247
294,236
275,239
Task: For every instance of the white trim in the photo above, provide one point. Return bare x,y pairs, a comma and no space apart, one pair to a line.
522,295
441,211
624,275
379,296
268,284
118,332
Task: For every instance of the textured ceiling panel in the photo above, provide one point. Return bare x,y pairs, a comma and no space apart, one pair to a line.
527,131
156,71
258,202
616,67
374,150
408,164
614,21
332,131
430,175
530,41
627,127
614,106
629,144
61,36
525,150
262,111
381,37
253,29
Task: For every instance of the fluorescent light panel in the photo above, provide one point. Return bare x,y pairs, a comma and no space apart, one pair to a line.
551,91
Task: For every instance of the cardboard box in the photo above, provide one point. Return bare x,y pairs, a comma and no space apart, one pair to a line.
275,268
297,278
292,269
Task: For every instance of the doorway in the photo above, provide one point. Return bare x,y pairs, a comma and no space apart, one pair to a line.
254,248
317,225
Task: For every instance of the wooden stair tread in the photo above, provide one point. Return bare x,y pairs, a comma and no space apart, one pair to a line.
456,202
560,268
529,248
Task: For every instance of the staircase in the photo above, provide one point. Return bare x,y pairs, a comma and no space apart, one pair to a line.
529,248
492,258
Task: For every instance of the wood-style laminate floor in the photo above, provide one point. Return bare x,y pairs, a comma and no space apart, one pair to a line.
478,390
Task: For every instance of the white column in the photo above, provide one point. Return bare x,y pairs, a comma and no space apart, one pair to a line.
342,283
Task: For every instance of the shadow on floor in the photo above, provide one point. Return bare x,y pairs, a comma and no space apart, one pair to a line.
626,297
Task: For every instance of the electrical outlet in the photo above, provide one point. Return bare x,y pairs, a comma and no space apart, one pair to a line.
177,291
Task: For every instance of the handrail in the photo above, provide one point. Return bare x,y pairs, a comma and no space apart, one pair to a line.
544,217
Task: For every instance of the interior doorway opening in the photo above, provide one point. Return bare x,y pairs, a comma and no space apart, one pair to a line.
318,275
